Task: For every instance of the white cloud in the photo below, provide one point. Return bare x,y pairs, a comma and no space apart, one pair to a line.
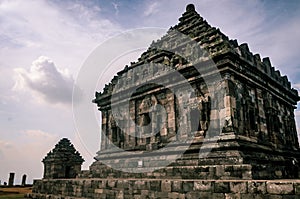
297,86
67,32
151,9
46,81
116,7
38,134
5,144
281,44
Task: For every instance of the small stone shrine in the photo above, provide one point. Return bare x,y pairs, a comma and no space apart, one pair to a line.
240,129
63,161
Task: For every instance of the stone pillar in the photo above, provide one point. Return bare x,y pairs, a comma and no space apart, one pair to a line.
129,138
24,180
293,132
109,129
229,103
262,127
11,179
104,129
171,117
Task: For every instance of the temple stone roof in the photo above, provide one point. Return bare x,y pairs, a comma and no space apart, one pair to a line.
63,151
215,44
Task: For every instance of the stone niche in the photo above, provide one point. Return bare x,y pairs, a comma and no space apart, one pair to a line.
63,161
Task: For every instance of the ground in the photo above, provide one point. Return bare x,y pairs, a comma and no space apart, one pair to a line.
14,192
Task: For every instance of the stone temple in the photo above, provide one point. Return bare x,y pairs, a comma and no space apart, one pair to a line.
187,123
63,161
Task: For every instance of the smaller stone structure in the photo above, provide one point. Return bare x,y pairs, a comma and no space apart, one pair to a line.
63,161
11,179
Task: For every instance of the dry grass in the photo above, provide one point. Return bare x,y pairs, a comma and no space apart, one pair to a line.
14,192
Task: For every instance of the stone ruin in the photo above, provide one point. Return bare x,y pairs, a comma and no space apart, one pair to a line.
11,180
63,161
244,124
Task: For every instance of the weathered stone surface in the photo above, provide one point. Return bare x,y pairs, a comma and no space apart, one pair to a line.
202,186
166,186
280,188
177,186
238,187
257,187
221,187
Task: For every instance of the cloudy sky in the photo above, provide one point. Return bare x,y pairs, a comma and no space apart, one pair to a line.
43,45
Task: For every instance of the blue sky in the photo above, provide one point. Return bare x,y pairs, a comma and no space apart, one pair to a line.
43,45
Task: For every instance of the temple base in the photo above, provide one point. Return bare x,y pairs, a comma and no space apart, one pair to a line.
229,157
164,188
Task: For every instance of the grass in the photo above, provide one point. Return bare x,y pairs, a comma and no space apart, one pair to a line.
12,196
14,192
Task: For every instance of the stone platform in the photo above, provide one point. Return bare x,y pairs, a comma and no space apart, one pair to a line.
166,188
230,157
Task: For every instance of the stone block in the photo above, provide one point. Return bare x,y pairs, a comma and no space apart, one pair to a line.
120,195
219,171
233,196
227,101
218,195
140,184
203,186
173,195
177,186
221,187
280,188
238,187
273,196
257,187
161,195
136,197
166,186
253,196
192,195
290,197
155,185
145,192
111,183
187,186
214,114
297,188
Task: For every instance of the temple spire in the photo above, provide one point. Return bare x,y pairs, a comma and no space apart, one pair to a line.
190,8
